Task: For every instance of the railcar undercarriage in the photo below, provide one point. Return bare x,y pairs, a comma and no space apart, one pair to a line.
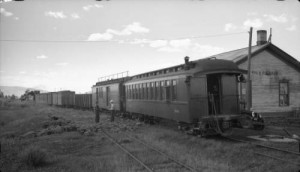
223,124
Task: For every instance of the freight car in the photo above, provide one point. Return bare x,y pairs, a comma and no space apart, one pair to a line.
200,95
63,98
83,101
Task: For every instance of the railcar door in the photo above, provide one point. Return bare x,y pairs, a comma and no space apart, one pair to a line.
214,90
107,96
230,94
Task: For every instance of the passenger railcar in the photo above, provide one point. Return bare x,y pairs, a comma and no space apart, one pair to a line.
194,93
113,89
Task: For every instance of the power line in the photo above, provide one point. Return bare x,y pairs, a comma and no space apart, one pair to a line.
118,40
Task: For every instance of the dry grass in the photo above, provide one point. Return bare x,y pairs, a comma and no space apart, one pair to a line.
71,151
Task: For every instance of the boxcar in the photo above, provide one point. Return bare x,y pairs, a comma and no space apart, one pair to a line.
49,98
41,98
83,101
108,90
184,92
63,98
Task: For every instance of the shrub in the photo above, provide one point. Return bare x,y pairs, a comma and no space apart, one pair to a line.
34,156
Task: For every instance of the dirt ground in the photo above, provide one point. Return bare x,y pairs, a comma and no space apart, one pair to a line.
68,140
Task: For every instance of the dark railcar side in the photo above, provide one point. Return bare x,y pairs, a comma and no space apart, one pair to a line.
194,83
105,91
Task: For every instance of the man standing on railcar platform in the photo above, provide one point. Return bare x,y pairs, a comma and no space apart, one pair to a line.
112,111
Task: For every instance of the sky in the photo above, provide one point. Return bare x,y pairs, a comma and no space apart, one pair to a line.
69,44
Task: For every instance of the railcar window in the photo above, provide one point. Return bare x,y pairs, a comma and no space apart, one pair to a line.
132,93
168,90
149,90
135,91
174,90
97,95
101,92
283,93
130,88
157,91
162,90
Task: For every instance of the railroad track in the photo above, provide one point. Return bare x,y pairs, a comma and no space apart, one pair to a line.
270,148
136,148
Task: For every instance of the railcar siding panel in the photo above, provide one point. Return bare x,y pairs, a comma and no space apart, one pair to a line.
199,99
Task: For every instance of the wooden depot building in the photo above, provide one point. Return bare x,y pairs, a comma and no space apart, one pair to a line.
275,77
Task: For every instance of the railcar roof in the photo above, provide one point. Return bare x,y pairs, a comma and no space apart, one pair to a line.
197,66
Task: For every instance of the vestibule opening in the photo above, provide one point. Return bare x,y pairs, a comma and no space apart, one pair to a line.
214,93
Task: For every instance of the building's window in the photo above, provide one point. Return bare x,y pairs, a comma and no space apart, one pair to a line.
283,93
162,90
174,90
168,90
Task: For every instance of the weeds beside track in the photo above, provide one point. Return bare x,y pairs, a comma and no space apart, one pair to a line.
171,160
270,148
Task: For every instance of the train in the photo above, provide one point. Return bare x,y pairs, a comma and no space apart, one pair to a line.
202,96
65,98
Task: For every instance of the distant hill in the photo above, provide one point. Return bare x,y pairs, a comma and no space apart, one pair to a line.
16,90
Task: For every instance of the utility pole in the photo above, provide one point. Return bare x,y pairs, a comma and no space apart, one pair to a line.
249,82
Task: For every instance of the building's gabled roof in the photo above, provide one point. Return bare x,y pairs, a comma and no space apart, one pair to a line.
240,55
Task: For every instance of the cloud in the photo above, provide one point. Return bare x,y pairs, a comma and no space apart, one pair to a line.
230,27
41,56
62,64
253,13
89,7
170,49
291,28
158,43
129,29
283,18
110,33
57,14
75,16
2,1
5,13
100,37
256,23
207,50
23,72
183,43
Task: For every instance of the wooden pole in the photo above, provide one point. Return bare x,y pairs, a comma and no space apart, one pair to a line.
249,83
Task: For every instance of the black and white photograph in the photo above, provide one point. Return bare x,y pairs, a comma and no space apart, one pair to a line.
149,85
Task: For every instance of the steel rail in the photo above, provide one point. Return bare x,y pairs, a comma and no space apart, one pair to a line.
295,163
269,147
164,154
126,151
